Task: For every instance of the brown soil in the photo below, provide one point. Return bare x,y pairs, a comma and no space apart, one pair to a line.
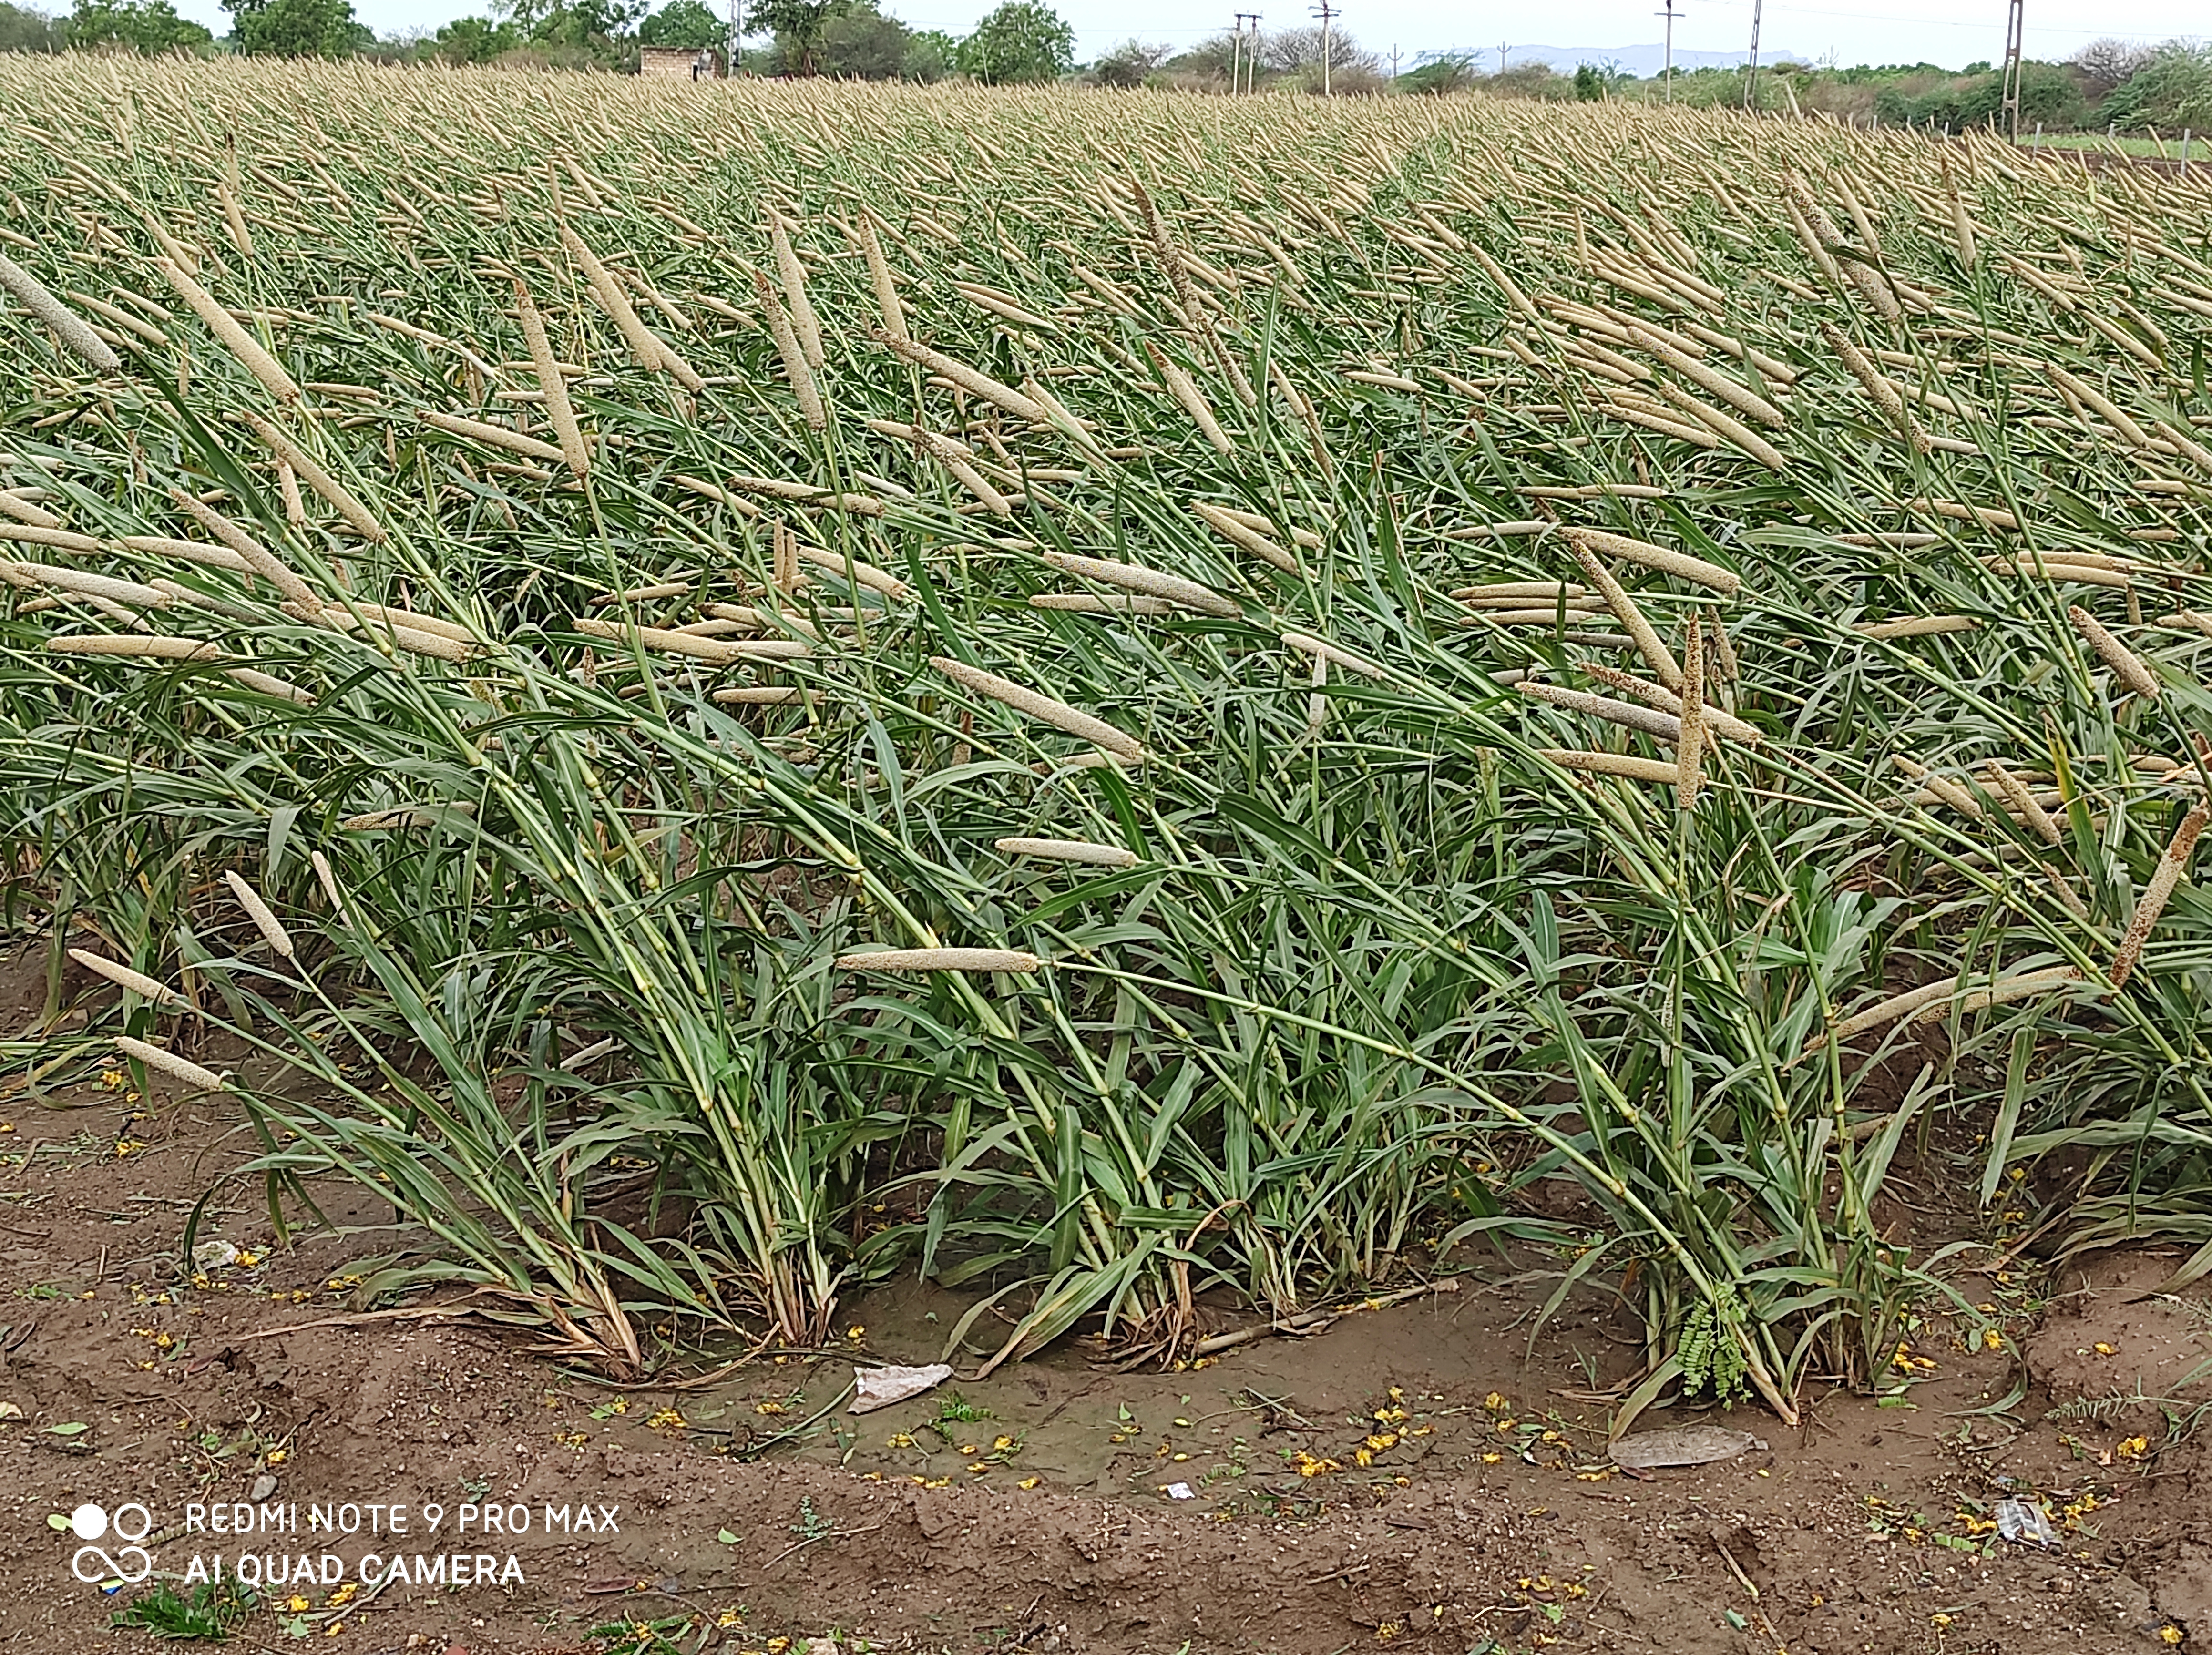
1488,1516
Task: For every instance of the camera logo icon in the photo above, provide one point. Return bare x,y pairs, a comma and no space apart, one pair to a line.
129,1562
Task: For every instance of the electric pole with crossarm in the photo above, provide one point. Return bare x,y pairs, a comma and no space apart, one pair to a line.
1751,85
2012,28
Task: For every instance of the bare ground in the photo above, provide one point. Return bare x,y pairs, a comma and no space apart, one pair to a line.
1485,1517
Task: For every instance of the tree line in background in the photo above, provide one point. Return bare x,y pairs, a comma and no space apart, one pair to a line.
1287,60
2128,87
1021,41
2115,84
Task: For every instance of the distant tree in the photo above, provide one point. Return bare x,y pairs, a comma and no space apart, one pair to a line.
580,33
298,28
1286,51
142,25
2172,88
931,55
24,30
1296,53
1450,71
600,23
1021,43
1211,59
472,41
685,23
799,26
2107,63
1589,82
1291,51
1129,64
863,43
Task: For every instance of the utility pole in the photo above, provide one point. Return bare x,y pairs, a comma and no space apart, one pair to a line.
2013,29
1326,12
1252,54
1393,65
736,38
1501,50
1751,85
1235,53
1669,15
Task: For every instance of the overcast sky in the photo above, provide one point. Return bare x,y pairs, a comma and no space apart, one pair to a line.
1953,33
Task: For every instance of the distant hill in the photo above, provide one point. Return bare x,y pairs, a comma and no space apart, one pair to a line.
1640,61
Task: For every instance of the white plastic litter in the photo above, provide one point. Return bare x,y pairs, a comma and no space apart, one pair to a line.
879,1387
1180,1491
2026,1523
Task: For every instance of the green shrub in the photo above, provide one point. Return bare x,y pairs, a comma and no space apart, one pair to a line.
22,29
2174,90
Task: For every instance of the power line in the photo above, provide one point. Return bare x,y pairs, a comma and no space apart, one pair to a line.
1922,22
1122,31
